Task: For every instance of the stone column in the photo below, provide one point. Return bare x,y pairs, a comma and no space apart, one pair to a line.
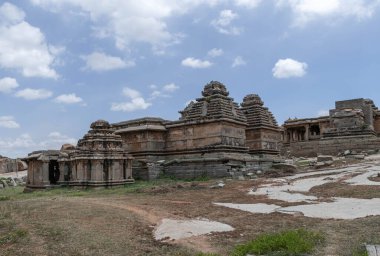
45,173
129,167
62,171
97,170
307,132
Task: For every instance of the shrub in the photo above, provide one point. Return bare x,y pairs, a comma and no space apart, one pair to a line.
287,243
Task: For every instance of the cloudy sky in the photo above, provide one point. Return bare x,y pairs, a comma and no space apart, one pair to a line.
66,63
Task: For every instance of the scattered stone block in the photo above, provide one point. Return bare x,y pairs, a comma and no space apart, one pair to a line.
285,167
324,158
356,156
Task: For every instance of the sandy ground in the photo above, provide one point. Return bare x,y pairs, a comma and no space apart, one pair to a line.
14,174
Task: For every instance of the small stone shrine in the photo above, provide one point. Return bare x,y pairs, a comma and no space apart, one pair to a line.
98,160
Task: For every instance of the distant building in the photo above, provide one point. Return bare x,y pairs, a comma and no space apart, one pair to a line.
352,125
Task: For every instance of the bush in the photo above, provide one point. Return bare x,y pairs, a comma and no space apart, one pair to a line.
287,243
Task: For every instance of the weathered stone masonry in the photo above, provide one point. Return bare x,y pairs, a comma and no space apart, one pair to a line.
352,125
214,136
98,160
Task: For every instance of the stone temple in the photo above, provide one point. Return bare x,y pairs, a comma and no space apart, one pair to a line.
352,125
214,137
98,160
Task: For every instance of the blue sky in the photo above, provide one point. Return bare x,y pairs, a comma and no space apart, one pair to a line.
66,63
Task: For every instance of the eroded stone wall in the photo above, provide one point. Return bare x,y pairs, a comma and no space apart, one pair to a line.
331,146
182,137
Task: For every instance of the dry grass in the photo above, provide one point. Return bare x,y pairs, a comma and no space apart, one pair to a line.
120,221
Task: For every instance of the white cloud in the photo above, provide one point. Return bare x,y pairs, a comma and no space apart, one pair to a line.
133,105
7,84
128,22
153,86
99,61
24,144
156,94
136,101
22,46
248,3
131,93
223,23
187,103
10,14
170,87
215,52
21,142
323,112
55,140
238,61
33,94
68,99
162,91
286,68
8,122
306,11
196,63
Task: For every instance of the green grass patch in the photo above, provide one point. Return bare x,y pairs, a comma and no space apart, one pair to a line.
287,243
4,198
13,236
360,251
16,193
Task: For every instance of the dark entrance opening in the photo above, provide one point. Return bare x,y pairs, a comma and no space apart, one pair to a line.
315,130
53,171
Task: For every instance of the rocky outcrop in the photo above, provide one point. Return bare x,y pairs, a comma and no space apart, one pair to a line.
12,165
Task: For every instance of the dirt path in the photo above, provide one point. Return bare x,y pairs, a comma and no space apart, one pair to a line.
151,215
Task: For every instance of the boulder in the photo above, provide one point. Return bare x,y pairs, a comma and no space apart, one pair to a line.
21,165
324,158
347,152
67,147
288,168
356,156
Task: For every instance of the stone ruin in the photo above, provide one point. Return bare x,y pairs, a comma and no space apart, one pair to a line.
352,125
12,165
214,137
98,160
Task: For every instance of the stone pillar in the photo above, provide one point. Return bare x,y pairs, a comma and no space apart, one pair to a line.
45,173
62,171
80,170
307,132
97,171
129,168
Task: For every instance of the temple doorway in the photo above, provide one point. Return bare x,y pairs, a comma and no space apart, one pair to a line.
53,171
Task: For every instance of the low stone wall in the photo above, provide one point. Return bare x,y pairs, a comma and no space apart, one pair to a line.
190,169
330,146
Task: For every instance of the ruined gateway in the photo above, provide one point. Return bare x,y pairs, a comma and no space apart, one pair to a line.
214,137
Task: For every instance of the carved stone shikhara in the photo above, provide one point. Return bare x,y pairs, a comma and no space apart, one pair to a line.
213,137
